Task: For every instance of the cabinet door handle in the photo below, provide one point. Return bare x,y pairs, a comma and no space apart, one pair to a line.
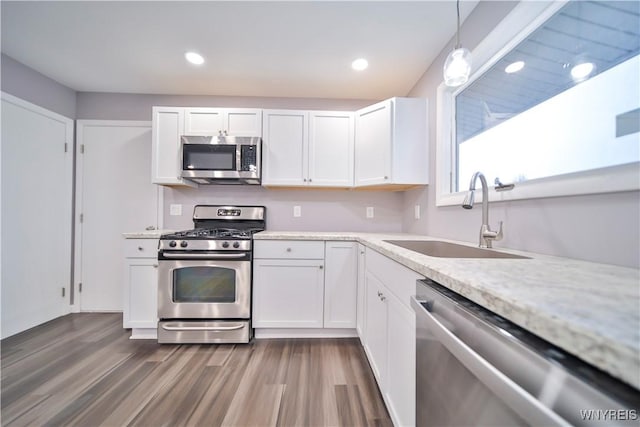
321,267
140,248
382,298
155,265
379,294
386,177
309,179
288,249
304,180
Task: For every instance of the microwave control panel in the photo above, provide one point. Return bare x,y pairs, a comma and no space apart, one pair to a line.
248,158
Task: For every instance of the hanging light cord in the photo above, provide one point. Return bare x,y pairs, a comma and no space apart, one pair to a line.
458,27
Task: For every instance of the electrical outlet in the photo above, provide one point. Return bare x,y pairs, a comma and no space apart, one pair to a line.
297,211
369,211
175,210
416,211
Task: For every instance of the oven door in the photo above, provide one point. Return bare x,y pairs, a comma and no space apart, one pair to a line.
204,288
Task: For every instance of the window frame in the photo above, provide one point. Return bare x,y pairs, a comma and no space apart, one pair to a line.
525,18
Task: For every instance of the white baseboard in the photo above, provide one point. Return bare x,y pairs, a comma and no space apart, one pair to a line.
304,333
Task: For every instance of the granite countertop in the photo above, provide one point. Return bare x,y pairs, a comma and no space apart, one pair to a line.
146,234
590,310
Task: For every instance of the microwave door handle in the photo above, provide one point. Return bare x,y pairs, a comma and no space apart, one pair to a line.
182,255
238,157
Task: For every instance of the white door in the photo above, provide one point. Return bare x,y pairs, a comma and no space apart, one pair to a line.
288,293
36,215
285,147
114,195
203,121
340,284
373,144
243,121
331,139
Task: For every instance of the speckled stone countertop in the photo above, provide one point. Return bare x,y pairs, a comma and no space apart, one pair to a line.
146,234
590,310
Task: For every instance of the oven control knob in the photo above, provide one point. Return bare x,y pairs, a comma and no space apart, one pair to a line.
236,245
225,244
172,243
183,244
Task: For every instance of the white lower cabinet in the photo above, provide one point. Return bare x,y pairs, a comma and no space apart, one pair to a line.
340,287
390,334
360,285
305,285
140,313
376,328
288,293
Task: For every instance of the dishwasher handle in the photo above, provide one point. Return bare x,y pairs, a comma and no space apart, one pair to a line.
518,399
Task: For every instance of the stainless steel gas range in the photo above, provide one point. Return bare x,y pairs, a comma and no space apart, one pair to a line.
204,276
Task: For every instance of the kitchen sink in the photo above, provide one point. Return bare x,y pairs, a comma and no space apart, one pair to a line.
439,249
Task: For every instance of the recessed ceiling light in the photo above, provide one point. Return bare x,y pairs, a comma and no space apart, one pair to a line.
514,67
360,64
582,71
194,58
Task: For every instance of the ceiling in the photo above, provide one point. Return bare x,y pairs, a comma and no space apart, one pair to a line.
263,48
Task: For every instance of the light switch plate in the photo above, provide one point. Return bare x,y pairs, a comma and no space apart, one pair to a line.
369,211
175,210
297,211
416,212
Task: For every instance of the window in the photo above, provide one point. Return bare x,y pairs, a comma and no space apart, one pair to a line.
554,109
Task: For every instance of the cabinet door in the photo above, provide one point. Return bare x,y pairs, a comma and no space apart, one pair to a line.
141,293
331,141
168,125
203,121
373,144
376,328
243,122
288,293
401,362
360,309
285,145
340,292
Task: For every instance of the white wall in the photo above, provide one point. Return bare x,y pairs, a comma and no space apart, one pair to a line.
322,210
28,84
599,228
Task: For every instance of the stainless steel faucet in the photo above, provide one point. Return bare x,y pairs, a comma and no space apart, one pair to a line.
486,234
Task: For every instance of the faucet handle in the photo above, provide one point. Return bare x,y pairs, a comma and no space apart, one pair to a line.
499,235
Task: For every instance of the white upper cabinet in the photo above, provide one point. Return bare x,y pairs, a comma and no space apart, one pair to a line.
223,121
284,147
331,139
308,148
168,125
391,143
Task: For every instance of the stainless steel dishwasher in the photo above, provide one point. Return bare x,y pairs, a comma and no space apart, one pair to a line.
475,368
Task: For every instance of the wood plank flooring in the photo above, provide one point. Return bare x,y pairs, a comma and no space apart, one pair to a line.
82,370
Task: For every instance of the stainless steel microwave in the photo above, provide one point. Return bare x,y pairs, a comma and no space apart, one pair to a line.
221,159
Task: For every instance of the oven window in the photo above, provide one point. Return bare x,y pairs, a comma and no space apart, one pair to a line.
204,284
209,157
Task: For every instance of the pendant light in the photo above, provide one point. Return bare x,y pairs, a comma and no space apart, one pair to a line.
457,67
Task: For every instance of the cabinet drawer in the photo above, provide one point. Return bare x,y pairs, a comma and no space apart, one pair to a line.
141,248
400,280
288,249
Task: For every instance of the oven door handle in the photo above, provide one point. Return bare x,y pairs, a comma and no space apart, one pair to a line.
173,327
182,255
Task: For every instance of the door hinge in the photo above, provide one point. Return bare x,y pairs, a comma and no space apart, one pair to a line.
63,292
80,287
81,148
81,218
